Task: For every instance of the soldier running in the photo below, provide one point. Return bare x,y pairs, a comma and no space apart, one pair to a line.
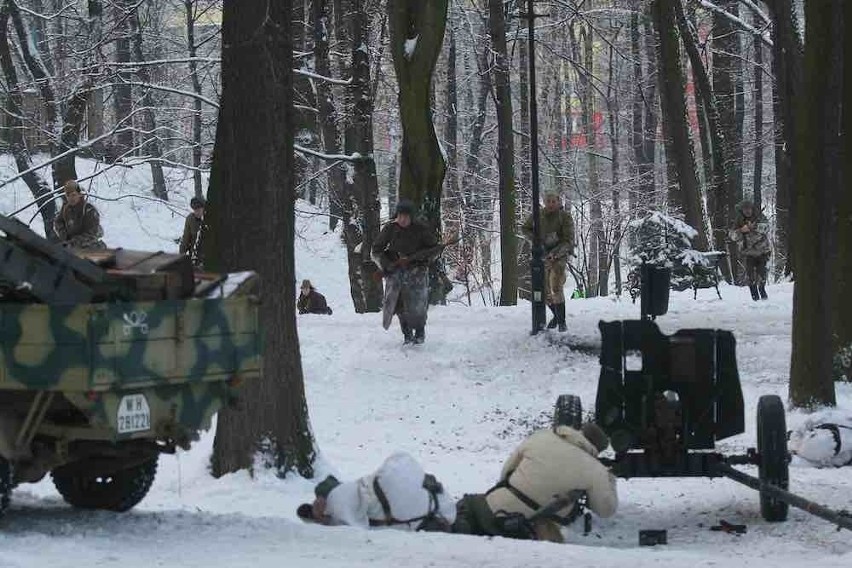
402,250
78,223
556,230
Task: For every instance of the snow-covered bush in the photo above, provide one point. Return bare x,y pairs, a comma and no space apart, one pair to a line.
663,240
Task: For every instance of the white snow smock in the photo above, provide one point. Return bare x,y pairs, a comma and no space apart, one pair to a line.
400,478
552,464
827,444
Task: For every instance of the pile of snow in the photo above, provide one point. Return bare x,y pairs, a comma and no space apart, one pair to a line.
459,404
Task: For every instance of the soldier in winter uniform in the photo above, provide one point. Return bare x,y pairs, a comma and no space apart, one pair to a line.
548,464
310,301
78,223
193,232
823,443
749,231
556,229
403,250
399,494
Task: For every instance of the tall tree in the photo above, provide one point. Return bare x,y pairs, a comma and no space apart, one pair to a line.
251,218
505,155
819,172
684,191
191,10
787,73
362,187
716,136
416,37
843,267
757,187
123,91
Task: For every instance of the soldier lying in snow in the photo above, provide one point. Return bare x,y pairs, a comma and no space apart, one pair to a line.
826,444
399,494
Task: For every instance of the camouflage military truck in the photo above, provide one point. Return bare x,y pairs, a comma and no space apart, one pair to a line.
110,358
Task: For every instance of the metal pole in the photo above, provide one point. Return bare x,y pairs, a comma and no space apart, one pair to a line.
839,519
536,263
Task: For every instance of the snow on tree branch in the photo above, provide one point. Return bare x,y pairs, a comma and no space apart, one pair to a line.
322,78
353,157
736,20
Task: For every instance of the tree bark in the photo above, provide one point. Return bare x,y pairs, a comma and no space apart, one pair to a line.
192,51
14,105
788,73
717,137
684,191
757,191
416,37
327,115
505,155
843,267
158,180
123,92
819,180
251,217
359,140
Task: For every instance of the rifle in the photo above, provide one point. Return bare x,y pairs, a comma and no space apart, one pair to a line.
424,254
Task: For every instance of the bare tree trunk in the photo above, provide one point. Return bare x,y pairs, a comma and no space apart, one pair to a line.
327,115
148,119
192,50
505,156
788,75
717,138
451,126
524,201
819,180
251,218
123,92
36,184
613,107
843,200
359,140
758,124
683,189
416,36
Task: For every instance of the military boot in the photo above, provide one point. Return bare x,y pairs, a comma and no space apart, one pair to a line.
755,294
419,335
762,290
407,333
554,321
560,314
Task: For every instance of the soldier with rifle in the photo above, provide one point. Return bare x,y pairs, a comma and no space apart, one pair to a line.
193,231
78,224
404,249
556,228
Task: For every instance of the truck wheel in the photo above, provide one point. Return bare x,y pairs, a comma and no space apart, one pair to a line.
773,466
5,484
119,491
568,411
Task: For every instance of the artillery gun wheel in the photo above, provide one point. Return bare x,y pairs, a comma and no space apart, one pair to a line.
119,491
568,411
773,466
5,484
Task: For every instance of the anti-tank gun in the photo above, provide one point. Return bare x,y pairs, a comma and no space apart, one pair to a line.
109,358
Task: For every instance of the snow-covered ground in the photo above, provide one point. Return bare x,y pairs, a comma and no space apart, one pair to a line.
459,403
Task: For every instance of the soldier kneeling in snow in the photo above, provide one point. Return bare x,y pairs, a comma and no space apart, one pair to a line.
399,494
547,465
823,444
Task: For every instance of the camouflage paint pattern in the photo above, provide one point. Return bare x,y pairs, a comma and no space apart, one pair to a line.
185,356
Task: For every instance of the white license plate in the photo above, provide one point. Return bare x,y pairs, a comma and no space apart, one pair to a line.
134,414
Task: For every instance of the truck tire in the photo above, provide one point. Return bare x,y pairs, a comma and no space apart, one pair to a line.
119,491
774,463
5,484
568,411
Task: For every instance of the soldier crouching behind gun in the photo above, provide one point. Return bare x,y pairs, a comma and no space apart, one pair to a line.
399,252
78,223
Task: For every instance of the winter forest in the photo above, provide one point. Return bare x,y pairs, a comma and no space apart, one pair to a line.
653,117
